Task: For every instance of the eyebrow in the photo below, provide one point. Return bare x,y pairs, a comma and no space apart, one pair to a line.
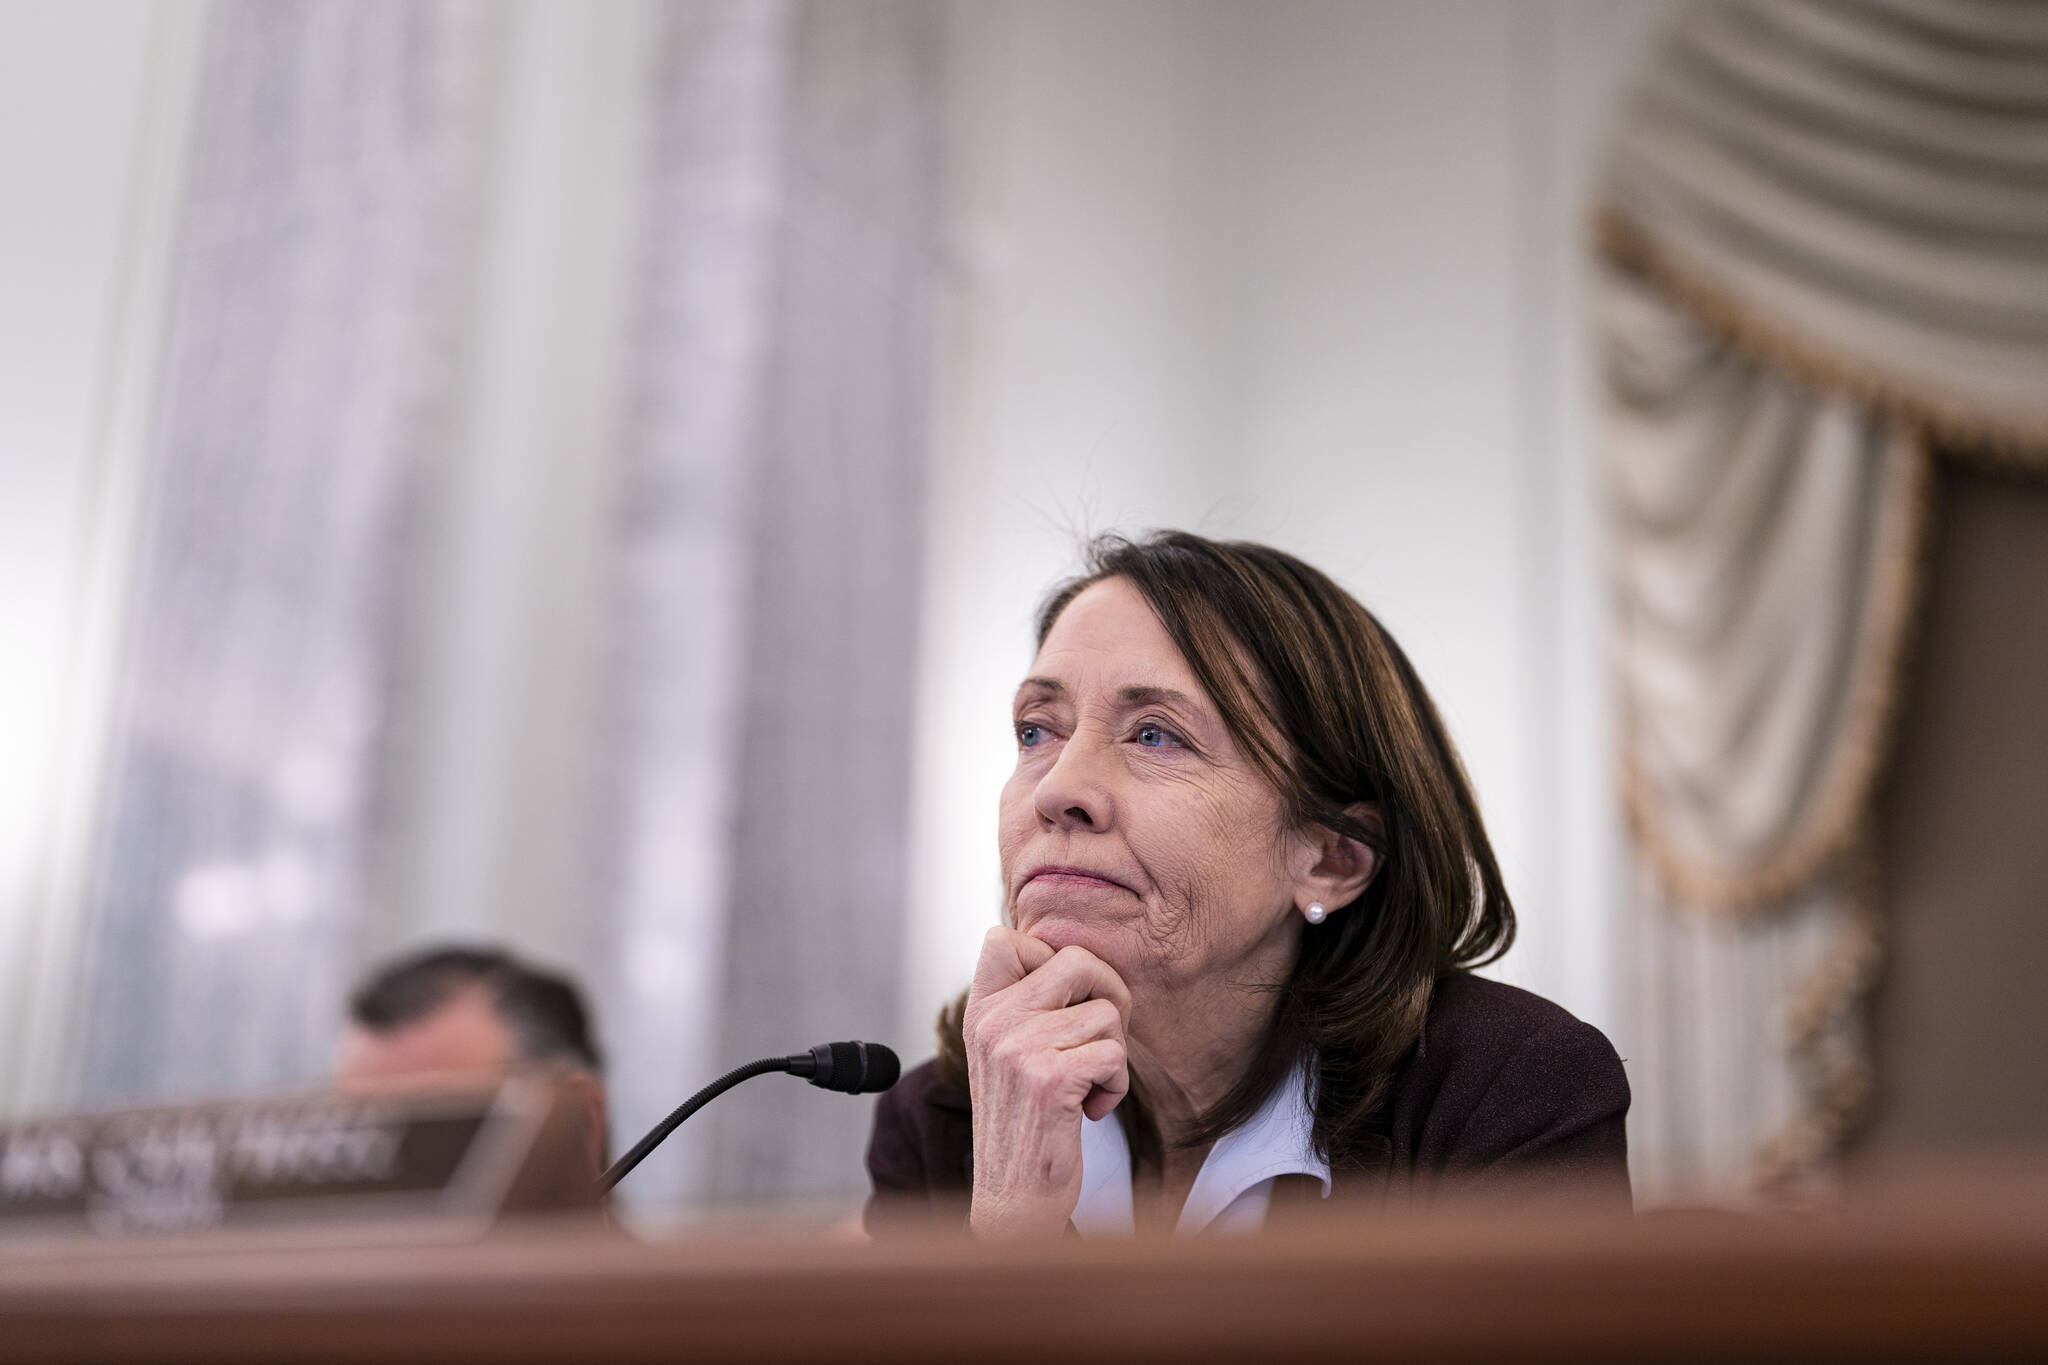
1138,694
1155,696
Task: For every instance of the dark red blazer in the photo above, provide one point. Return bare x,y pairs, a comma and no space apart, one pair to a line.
1502,1090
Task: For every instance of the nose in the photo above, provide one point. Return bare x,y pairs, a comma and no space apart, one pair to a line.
1074,793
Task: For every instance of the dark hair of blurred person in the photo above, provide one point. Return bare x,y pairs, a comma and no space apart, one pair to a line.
416,1003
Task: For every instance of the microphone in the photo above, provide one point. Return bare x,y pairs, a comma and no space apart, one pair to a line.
851,1068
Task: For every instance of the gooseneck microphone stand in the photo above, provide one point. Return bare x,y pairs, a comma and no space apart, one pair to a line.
852,1068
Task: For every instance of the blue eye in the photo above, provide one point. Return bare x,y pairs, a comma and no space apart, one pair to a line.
1029,735
1156,737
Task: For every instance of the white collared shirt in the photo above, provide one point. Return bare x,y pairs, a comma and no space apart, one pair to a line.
1234,1188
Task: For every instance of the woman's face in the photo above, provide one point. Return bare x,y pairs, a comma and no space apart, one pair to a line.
1133,825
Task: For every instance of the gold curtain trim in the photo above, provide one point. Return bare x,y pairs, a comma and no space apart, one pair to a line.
1823,1035
1951,426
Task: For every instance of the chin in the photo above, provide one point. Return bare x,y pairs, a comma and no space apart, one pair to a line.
1109,941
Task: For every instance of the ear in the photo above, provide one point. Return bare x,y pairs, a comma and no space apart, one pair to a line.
1336,868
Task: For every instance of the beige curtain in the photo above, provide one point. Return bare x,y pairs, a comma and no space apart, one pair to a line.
1824,253
319,260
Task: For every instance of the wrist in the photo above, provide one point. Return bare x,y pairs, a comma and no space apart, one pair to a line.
1007,1219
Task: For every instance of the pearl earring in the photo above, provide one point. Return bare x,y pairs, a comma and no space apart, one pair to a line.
1315,914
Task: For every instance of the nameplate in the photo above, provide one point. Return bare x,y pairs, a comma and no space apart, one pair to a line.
451,1159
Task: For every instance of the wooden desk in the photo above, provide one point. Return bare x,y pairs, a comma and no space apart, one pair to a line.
1941,1277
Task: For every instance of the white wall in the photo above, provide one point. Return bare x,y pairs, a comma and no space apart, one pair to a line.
1305,272
497,738
1078,350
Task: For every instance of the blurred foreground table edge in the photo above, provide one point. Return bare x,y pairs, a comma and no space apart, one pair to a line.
1946,1275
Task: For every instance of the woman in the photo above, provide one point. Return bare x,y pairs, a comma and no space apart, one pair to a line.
1243,874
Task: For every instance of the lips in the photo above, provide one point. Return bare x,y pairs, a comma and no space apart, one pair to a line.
1076,877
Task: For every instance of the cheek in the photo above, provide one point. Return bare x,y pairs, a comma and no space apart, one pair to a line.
1015,818
1214,854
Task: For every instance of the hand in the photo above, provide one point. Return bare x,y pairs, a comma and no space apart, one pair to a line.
1045,1037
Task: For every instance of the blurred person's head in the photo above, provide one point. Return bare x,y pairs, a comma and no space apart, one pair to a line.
465,1014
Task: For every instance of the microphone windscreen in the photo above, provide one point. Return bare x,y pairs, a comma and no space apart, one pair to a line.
882,1070
846,1068
853,1068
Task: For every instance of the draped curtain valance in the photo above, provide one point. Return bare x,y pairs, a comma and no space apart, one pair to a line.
1823,243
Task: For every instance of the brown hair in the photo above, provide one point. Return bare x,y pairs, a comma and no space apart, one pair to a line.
1330,710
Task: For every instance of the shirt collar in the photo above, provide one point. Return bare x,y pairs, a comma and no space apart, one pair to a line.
1277,1140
